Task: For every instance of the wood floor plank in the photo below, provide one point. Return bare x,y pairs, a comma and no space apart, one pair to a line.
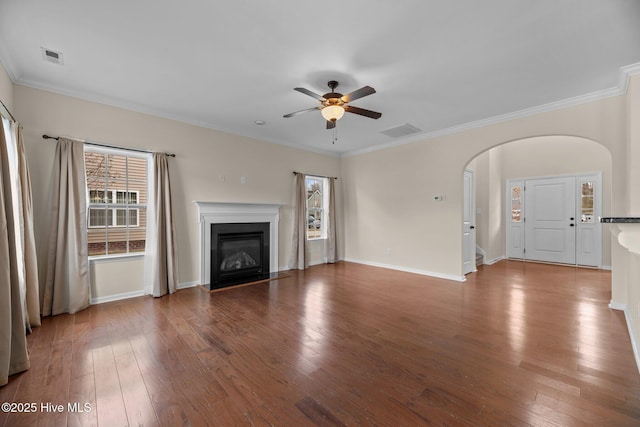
518,344
56,388
109,399
29,390
82,391
136,399
317,413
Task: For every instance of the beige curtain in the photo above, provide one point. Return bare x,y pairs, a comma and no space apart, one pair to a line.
67,287
331,223
13,341
299,251
32,286
161,274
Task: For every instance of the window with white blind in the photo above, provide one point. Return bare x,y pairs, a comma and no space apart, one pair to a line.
117,206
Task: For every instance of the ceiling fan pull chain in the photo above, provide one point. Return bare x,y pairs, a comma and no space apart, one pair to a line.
335,135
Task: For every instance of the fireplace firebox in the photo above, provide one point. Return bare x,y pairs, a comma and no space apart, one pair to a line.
239,253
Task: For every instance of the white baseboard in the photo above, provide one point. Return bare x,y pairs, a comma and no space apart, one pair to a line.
632,332
493,261
287,268
186,285
632,335
409,270
116,297
617,306
134,294
634,343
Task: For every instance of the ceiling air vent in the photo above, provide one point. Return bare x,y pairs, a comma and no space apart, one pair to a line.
402,130
52,56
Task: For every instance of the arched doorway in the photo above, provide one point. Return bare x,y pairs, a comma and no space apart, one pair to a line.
531,157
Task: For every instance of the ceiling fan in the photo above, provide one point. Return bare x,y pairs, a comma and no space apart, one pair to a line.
334,104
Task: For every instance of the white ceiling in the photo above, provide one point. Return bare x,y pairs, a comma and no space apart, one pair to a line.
436,65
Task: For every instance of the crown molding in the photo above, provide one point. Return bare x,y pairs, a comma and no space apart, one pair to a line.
624,76
136,108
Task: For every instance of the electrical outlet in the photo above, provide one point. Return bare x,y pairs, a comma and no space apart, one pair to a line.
387,251
243,180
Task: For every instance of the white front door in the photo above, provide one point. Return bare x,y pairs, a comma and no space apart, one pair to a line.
555,219
550,227
468,226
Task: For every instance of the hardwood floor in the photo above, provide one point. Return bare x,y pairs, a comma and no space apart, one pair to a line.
344,344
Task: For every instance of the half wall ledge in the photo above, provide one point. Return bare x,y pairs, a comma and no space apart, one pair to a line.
620,220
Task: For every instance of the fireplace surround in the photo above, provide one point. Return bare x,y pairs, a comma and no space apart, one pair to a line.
210,213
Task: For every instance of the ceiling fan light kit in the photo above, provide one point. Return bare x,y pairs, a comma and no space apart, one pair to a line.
333,112
333,104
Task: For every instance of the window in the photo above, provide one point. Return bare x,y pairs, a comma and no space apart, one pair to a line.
516,204
117,192
99,217
586,202
317,204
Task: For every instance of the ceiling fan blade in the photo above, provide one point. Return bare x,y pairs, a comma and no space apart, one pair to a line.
357,94
362,112
311,94
330,124
300,112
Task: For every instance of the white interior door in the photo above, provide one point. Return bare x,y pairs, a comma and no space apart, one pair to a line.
468,226
550,219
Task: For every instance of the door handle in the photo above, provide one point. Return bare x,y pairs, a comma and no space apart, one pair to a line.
571,225
571,218
472,227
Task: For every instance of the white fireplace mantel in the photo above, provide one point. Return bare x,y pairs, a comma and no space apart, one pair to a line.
223,213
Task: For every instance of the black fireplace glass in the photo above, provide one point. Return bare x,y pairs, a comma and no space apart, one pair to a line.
239,253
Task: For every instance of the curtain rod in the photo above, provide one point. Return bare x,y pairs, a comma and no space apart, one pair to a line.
8,112
137,150
319,176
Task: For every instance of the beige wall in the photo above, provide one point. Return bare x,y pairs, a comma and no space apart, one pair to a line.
202,157
6,88
625,286
391,217
530,158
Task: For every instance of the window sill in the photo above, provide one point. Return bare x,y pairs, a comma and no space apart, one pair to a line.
100,259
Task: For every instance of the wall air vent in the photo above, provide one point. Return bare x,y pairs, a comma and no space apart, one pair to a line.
401,130
52,56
